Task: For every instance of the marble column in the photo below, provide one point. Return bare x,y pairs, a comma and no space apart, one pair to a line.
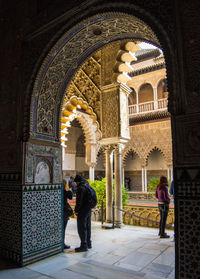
145,179
143,184
168,173
109,183
91,172
118,185
137,102
155,98
172,173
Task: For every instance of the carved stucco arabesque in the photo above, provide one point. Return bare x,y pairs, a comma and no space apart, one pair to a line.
63,60
86,83
146,137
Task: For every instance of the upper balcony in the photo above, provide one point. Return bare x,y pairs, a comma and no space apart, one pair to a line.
146,107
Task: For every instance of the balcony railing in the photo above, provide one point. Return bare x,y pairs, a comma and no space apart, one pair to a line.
146,107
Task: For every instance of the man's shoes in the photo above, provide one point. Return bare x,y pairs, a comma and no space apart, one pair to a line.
89,245
81,249
66,247
164,235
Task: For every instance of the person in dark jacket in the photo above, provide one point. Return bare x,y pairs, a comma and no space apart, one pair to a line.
67,194
163,204
83,212
72,185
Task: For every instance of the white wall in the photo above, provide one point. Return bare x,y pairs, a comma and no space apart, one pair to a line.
80,164
69,162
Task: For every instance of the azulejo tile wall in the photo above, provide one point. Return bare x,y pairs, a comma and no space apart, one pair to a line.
42,221
10,222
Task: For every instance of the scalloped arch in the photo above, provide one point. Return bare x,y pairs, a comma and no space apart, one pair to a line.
87,119
153,149
126,154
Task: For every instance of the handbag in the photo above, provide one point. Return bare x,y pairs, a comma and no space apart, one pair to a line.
69,210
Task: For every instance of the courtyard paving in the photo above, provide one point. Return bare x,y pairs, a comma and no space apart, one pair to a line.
129,252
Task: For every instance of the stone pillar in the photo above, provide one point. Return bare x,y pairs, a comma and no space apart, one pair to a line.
91,172
143,184
172,173
168,173
90,159
155,98
118,186
123,177
145,179
137,102
109,184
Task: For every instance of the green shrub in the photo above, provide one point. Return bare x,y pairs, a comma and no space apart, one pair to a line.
153,184
100,188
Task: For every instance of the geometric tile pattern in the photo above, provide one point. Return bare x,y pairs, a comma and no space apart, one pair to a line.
10,222
188,182
187,194
189,238
42,218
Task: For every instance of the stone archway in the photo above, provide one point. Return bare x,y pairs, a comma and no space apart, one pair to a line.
56,71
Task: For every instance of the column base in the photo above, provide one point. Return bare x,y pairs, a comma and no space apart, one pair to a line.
118,225
108,221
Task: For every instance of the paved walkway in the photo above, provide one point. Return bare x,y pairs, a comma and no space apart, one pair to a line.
129,252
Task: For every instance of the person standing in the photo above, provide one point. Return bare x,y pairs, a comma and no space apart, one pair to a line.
72,185
68,211
83,212
163,204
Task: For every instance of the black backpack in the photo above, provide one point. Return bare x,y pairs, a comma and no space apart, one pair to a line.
91,196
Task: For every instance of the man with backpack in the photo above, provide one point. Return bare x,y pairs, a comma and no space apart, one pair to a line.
85,201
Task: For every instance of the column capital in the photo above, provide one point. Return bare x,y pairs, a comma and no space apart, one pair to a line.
91,164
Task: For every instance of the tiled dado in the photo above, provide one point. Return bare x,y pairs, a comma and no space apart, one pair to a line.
30,222
187,190
10,222
42,221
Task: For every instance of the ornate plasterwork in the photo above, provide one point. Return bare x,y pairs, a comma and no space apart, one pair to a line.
110,113
147,137
64,58
86,83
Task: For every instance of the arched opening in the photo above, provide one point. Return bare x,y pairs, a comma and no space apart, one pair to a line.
156,165
76,88
132,172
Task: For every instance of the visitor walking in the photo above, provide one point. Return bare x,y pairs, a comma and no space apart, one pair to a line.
163,204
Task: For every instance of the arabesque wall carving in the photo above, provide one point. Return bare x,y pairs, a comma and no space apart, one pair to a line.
146,137
62,61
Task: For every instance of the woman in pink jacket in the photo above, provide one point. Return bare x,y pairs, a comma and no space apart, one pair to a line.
163,204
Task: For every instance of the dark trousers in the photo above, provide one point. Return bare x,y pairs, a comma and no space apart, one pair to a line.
163,208
84,228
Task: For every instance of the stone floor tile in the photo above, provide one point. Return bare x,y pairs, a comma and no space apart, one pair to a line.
67,274
128,266
99,272
158,269
138,259
19,273
52,266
